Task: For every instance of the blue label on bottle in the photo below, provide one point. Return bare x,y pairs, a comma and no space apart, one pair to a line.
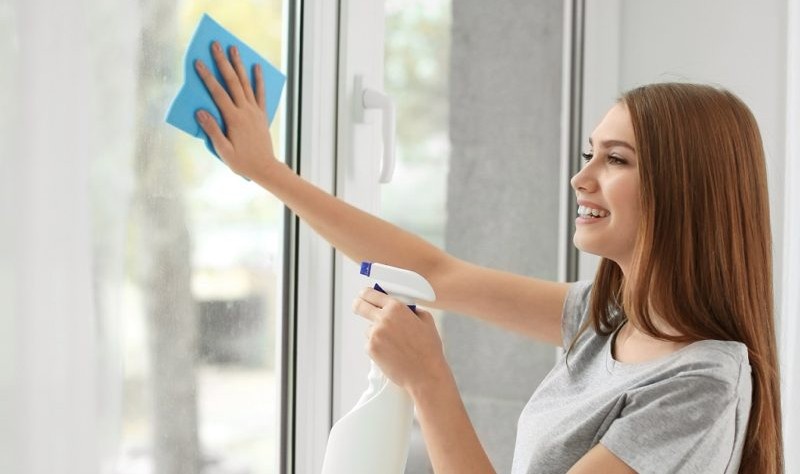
366,267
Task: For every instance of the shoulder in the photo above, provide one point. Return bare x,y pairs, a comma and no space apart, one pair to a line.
717,358
705,370
695,404
726,363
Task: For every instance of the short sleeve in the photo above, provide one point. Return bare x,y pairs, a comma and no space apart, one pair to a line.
685,423
576,309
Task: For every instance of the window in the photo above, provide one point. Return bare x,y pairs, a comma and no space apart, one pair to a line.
189,260
142,278
478,174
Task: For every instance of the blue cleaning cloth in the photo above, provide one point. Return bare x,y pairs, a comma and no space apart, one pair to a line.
194,96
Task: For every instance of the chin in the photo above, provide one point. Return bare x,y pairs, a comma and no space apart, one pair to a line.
590,248
587,247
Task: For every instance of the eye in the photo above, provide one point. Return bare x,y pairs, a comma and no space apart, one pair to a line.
587,156
615,160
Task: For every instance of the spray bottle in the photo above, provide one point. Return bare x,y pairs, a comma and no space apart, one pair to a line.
373,438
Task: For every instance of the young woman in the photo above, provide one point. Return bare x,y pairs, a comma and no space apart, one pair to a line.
671,359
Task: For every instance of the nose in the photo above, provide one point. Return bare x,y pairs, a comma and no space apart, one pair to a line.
584,180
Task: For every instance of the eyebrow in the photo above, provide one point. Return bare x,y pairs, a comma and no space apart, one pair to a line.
610,143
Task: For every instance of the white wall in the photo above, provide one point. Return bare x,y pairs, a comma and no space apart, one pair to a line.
738,45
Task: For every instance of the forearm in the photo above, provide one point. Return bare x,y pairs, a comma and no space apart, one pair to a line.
358,234
453,445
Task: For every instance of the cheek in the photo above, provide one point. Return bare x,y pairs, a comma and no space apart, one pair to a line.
625,197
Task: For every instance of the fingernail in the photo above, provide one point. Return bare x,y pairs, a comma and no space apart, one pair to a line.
258,68
216,47
199,65
202,116
234,51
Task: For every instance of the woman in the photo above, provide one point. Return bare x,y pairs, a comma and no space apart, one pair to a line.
671,361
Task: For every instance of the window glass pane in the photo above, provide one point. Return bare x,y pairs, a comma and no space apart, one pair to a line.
477,89
416,76
188,256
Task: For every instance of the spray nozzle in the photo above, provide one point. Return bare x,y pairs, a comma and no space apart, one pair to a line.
398,282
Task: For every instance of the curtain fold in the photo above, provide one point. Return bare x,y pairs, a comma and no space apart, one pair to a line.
48,332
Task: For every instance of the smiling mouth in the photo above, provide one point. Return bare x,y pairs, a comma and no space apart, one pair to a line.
591,213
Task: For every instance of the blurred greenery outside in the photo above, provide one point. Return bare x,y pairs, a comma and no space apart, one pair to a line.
236,238
416,75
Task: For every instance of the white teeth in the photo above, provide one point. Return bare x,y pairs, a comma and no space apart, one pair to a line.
588,211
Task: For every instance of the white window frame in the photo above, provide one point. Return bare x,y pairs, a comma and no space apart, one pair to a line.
340,40
361,52
314,265
789,327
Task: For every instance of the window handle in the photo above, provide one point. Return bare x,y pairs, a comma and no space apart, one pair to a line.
367,98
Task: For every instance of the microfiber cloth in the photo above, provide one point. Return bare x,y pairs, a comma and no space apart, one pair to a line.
194,96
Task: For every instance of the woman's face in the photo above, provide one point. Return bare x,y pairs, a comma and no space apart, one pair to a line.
608,187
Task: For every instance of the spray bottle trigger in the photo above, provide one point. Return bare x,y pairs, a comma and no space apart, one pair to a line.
412,307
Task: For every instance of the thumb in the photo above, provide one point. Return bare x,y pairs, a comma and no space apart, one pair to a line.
222,145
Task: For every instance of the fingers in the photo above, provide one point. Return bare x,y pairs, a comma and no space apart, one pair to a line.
228,74
241,73
260,94
217,92
236,79
218,139
375,297
366,309
374,305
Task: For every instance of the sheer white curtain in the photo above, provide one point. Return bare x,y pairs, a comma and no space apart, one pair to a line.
8,55
47,333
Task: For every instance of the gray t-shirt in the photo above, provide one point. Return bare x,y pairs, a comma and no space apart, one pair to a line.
685,412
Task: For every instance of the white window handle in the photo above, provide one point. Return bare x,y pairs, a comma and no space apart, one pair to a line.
366,98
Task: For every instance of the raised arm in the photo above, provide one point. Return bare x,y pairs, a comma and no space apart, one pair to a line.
526,305
521,304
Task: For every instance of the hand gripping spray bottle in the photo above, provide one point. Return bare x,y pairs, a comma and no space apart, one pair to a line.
373,438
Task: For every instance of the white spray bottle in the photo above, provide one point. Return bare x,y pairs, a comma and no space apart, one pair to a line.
373,437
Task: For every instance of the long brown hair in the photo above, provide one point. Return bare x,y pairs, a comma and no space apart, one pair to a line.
703,256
